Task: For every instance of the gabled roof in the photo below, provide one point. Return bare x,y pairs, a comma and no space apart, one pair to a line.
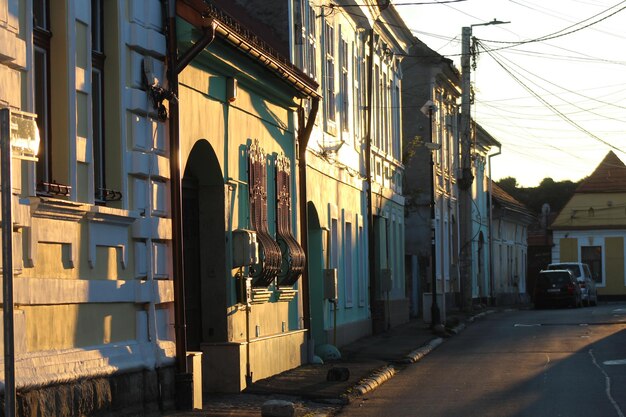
609,177
507,200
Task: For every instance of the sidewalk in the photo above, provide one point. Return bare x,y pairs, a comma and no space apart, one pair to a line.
370,361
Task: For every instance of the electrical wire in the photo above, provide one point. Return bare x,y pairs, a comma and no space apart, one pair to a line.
550,106
562,32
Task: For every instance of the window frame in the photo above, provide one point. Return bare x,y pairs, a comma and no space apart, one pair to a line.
97,101
344,84
329,76
42,37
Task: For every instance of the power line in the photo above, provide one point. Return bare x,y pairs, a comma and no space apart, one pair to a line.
550,106
562,32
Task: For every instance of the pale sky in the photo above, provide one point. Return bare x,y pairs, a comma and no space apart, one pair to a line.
570,110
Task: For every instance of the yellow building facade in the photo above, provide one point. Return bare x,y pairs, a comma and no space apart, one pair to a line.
591,227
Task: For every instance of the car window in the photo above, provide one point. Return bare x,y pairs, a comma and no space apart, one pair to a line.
587,271
555,278
574,269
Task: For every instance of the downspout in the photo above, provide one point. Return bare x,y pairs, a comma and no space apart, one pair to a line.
304,135
174,67
368,171
491,279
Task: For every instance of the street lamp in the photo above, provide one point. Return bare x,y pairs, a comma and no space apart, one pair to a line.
435,314
465,182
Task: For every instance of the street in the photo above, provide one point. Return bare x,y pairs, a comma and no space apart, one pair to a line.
552,362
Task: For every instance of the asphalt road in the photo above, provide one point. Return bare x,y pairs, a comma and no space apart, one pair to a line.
535,363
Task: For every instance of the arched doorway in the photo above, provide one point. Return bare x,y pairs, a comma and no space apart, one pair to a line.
204,248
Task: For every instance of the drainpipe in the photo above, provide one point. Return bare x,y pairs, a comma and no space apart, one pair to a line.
304,134
174,67
368,171
491,278
175,181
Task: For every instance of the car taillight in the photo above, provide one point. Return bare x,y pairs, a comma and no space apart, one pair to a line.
570,288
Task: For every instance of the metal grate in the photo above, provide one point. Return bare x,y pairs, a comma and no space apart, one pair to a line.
269,264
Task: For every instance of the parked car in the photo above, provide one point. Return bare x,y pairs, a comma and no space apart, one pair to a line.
582,273
557,287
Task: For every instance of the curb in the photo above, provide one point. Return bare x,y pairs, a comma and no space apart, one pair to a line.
372,382
420,352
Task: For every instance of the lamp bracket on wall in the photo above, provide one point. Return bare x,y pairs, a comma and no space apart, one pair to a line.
156,92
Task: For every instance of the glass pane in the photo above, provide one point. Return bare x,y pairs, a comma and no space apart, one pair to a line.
98,143
41,108
40,17
97,43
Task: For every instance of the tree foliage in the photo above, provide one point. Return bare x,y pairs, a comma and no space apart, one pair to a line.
556,194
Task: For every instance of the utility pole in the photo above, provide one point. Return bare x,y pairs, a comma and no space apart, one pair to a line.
465,182
435,312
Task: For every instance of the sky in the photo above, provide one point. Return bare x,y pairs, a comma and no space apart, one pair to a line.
556,105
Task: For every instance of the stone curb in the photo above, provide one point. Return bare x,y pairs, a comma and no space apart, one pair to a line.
420,352
373,381
480,315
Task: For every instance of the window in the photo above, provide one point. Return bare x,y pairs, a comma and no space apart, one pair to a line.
592,256
356,86
361,94
312,42
329,97
97,99
384,111
41,65
343,86
396,123
376,108
305,18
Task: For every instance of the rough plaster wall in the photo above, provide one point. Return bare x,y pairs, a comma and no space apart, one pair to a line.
78,325
128,394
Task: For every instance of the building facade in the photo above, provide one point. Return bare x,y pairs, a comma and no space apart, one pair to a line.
353,190
432,84
93,286
482,284
509,247
590,227
158,222
238,104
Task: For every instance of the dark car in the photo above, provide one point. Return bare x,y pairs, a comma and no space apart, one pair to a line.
586,282
557,287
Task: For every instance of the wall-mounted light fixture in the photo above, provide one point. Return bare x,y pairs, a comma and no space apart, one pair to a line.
231,89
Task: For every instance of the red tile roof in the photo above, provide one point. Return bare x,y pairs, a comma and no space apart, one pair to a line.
507,199
609,177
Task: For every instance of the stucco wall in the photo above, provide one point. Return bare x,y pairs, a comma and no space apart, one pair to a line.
611,244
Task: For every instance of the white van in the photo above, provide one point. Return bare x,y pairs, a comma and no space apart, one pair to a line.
582,273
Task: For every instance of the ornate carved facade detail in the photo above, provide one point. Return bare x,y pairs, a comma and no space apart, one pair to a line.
293,257
269,265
